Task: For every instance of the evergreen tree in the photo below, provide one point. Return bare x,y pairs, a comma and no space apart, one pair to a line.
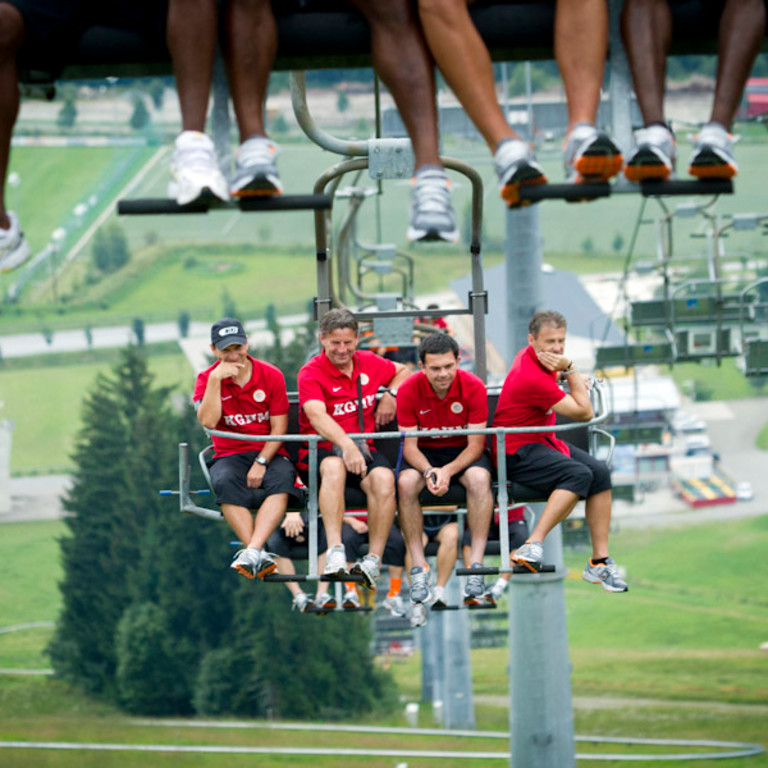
125,452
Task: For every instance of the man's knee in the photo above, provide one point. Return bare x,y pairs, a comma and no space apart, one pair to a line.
12,29
476,480
380,483
440,9
449,535
333,472
409,484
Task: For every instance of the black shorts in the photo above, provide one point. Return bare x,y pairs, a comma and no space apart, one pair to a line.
433,524
518,534
353,481
228,479
545,470
394,550
295,547
51,27
439,457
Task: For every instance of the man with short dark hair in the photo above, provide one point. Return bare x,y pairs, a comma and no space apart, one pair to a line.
441,396
563,473
337,396
241,394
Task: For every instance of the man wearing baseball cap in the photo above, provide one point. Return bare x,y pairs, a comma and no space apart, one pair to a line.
241,394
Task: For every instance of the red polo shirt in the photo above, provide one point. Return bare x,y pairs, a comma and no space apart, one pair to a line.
466,402
247,409
526,400
320,379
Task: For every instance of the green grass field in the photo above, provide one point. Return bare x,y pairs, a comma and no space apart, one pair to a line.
678,657
44,402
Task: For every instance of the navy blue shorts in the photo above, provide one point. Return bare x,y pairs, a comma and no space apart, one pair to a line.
356,545
545,470
295,547
228,479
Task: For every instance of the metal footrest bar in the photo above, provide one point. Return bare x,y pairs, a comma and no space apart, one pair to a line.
160,205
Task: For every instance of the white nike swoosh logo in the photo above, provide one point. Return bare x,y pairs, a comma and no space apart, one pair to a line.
228,397
335,389
421,413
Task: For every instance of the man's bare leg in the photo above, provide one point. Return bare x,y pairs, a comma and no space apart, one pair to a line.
559,505
410,484
11,38
598,516
379,488
447,552
269,516
477,482
333,478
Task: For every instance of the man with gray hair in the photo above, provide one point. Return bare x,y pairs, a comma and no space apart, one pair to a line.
562,473
337,396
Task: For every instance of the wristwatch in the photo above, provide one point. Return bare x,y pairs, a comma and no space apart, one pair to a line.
393,392
261,460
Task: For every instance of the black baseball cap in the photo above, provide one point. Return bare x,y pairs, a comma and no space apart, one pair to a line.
227,331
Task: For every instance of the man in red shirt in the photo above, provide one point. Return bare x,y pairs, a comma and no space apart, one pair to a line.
442,396
241,394
562,473
335,388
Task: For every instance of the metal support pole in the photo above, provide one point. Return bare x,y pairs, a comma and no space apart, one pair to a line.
220,117
620,83
6,438
458,704
523,274
540,706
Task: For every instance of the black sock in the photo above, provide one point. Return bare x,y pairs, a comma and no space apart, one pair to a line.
599,560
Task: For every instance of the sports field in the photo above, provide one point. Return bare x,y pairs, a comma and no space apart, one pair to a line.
677,657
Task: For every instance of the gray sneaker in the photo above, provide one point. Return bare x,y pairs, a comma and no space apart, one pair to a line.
418,617
529,555
395,605
14,249
336,561
654,156
474,589
516,167
591,155
255,169
606,574
254,563
369,568
420,592
432,216
712,156
302,602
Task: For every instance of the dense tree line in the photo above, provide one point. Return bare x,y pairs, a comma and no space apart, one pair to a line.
153,619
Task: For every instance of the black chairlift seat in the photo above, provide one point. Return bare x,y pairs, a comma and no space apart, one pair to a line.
629,355
330,34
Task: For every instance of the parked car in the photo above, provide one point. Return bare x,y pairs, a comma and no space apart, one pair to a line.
744,491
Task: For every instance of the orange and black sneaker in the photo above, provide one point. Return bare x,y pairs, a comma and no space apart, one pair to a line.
654,156
591,155
712,156
516,167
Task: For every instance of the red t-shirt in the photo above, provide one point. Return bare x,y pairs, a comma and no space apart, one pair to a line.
320,379
526,400
247,409
466,402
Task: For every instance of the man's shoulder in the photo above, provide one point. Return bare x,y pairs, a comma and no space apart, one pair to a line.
268,368
415,380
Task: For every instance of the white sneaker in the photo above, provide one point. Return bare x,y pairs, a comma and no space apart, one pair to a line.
255,169
515,167
195,172
302,602
418,617
438,597
336,561
14,249
351,600
395,605
497,590
369,568
529,555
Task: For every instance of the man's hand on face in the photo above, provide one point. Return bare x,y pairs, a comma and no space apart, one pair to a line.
225,370
553,362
